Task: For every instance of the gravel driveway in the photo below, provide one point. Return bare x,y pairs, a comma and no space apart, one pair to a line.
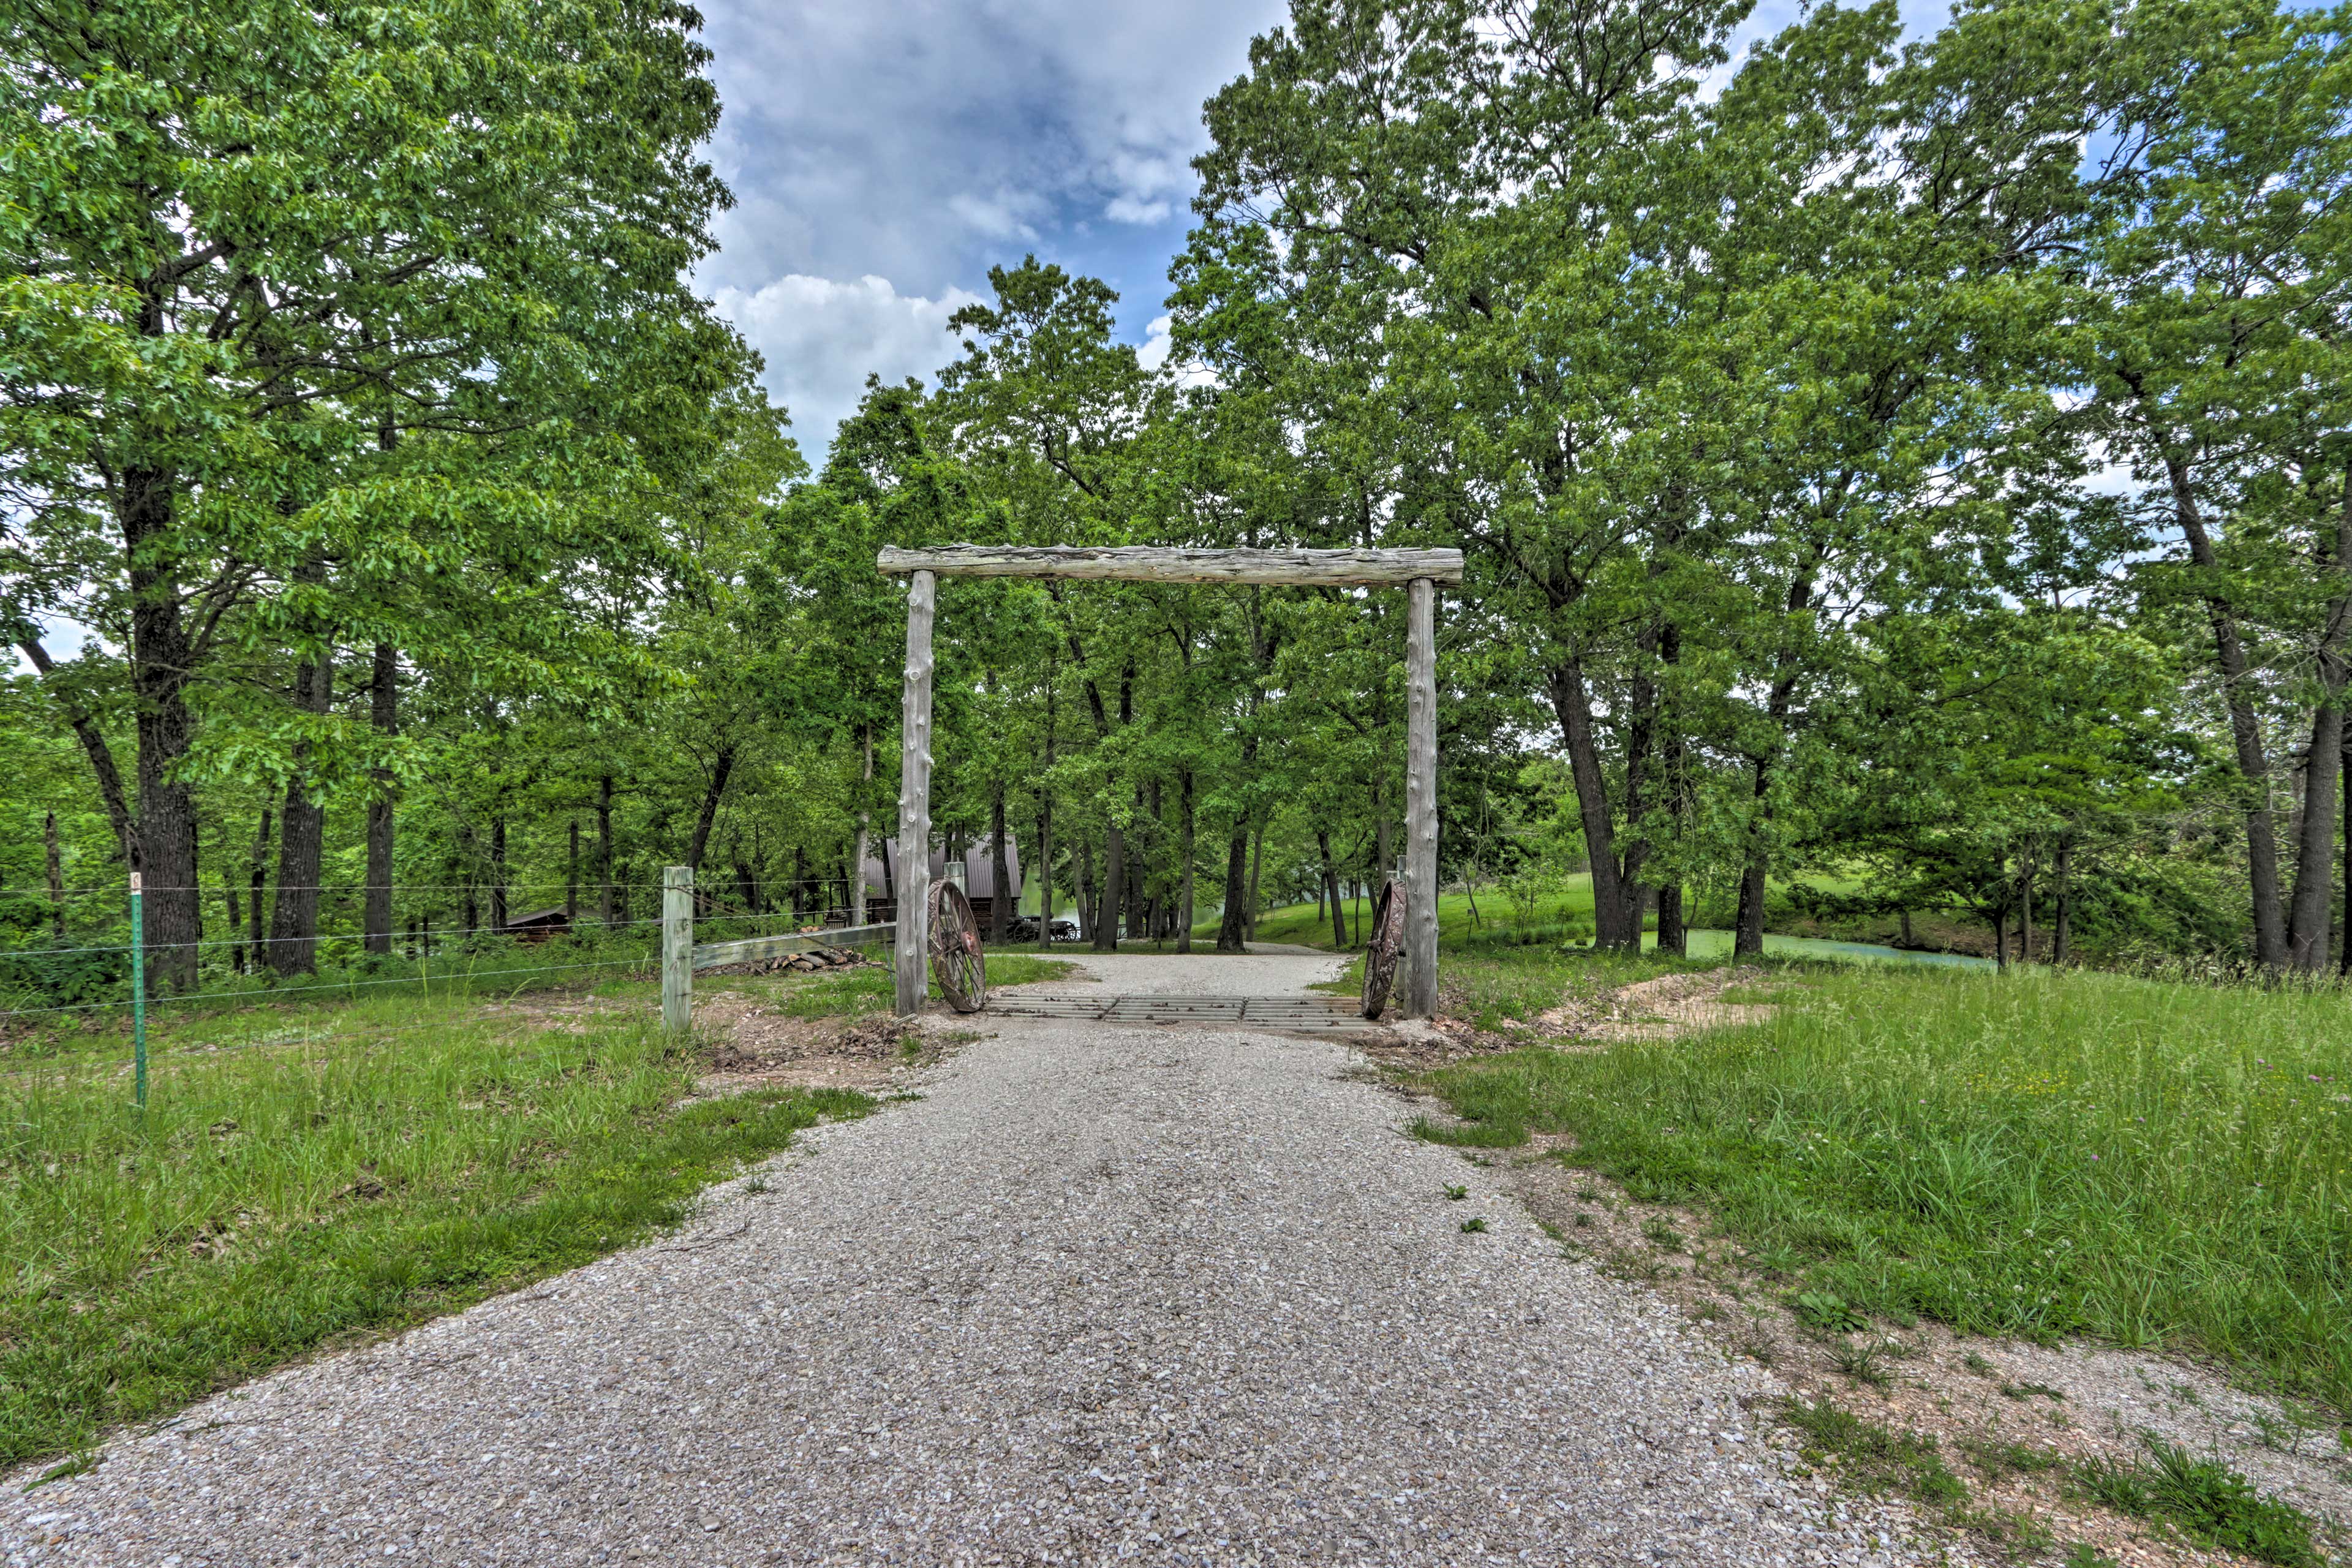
1174,1296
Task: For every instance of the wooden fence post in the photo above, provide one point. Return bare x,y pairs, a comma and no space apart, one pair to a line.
915,797
677,948
1420,801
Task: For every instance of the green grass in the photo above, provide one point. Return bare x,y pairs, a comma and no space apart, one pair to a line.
2041,1153
300,1176
1874,1458
2208,1501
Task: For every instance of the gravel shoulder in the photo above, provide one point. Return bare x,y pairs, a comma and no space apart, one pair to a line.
1171,1296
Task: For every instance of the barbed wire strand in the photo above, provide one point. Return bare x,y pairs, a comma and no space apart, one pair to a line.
420,980
155,947
712,883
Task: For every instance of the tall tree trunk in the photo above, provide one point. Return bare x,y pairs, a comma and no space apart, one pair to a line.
258,877
1332,885
2245,730
1673,937
1232,929
1000,903
1748,933
1572,702
384,711
163,656
571,878
2343,773
2025,905
499,914
234,904
712,795
865,825
1043,871
1114,890
1258,861
2063,915
2315,860
1083,889
604,846
1184,847
56,876
1137,923
302,839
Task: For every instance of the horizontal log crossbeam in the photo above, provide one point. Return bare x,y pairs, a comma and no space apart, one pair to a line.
757,948
1159,564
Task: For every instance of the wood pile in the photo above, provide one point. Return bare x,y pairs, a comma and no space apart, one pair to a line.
809,963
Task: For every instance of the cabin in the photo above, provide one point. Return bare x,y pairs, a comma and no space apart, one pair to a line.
539,925
979,878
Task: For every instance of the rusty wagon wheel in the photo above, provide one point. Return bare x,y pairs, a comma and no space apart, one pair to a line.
1380,952
956,962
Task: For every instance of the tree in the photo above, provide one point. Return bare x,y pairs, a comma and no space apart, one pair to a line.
308,305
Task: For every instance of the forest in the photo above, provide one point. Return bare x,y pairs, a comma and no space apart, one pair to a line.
1906,484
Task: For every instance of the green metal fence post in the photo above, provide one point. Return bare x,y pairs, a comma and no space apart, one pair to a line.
138,991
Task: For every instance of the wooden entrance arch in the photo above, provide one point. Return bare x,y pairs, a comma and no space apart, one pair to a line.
1418,571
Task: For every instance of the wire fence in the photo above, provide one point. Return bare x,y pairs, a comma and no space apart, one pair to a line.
39,1028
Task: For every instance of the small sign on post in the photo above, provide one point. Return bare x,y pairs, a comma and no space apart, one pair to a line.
677,948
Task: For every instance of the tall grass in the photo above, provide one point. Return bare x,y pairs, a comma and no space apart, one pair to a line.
2037,1154
298,1187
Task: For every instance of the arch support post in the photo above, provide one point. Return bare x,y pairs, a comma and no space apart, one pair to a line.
915,798
1420,801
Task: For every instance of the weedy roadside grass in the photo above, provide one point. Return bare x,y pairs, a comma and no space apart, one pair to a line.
2039,1154
1874,1457
301,1176
2207,1500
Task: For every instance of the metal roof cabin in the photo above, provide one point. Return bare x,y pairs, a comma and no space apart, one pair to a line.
979,878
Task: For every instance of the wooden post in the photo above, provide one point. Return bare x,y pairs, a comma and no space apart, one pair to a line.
677,948
1420,801
915,797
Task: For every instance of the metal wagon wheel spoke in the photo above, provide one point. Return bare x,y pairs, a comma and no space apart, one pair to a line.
956,962
1380,952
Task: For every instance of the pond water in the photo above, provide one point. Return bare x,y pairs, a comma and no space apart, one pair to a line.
1718,944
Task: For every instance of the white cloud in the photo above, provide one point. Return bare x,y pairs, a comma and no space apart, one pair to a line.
822,338
1157,343
1127,209
913,139
995,218
921,141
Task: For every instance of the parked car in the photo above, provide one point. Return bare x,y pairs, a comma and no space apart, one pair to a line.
1023,928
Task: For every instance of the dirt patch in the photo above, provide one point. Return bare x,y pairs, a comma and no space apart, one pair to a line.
759,1049
2008,1418
1663,1009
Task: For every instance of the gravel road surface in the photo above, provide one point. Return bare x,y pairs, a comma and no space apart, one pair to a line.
1171,1296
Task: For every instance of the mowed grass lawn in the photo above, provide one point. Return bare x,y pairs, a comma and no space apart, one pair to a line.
304,1175
2038,1153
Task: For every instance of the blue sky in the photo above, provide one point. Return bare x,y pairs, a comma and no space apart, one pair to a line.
884,153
